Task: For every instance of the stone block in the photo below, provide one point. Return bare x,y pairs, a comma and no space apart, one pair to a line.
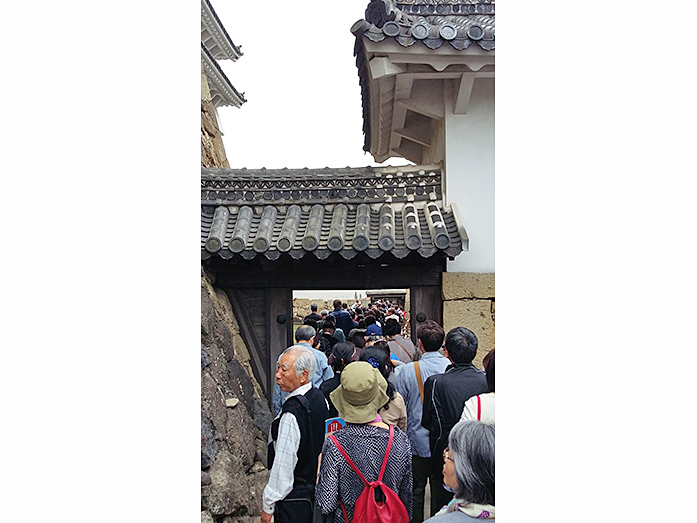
206,517
459,285
229,489
476,316
241,435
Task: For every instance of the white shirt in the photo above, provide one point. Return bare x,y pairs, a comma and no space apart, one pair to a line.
488,408
286,457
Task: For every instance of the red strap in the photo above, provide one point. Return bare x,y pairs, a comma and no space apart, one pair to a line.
346,457
353,465
479,408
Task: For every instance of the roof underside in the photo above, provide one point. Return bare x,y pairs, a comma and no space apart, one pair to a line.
245,213
215,37
222,91
421,26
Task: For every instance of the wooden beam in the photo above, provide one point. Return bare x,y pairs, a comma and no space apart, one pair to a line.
426,98
462,97
256,349
381,66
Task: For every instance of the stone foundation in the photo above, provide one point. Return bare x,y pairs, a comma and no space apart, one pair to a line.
235,417
469,301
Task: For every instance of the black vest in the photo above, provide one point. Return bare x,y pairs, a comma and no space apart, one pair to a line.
310,411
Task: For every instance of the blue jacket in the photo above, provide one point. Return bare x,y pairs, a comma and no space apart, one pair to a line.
344,321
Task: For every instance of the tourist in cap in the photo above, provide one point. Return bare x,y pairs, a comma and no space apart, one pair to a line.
363,391
295,441
342,354
468,470
394,412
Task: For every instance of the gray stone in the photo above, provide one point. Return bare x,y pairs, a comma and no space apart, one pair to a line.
209,448
240,435
229,490
205,358
241,384
213,404
262,416
206,517
205,478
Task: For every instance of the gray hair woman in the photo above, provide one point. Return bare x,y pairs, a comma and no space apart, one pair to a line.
469,472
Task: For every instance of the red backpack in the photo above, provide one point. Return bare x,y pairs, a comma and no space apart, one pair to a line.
367,509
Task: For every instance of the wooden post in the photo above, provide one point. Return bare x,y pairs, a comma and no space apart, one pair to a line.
279,336
425,299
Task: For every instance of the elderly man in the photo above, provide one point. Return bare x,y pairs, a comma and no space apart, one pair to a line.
304,337
295,441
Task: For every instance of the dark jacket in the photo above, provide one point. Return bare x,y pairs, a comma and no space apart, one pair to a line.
313,316
444,398
310,410
344,321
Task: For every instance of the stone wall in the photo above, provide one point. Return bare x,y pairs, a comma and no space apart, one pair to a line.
301,307
235,417
212,149
469,301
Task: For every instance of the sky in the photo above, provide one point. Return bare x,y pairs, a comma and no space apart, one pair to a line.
300,80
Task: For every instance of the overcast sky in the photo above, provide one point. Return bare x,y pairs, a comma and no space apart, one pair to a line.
300,80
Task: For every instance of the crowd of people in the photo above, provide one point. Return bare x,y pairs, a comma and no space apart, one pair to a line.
415,415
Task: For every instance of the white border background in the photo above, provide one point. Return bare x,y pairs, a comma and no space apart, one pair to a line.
595,264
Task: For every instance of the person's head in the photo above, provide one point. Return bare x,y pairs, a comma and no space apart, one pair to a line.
378,358
324,313
342,354
489,369
313,307
305,334
357,337
312,323
468,465
344,306
327,326
369,320
337,304
295,368
361,394
371,340
461,344
391,327
430,336
352,313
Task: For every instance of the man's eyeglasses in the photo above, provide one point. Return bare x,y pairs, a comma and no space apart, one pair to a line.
447,454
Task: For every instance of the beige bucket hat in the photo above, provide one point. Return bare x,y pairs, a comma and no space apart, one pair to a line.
363,391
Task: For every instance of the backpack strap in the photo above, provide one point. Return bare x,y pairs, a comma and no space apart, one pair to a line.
419,381
346,457
479,408
355,468
387,454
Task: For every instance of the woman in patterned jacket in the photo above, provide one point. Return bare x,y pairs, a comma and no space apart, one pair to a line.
361,393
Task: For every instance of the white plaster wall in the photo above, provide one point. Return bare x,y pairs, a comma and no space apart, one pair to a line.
469,175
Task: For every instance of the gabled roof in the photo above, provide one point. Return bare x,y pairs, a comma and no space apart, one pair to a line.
222,91
214,36
371,210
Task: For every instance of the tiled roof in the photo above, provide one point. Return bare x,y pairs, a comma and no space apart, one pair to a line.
215,37
459,23
222,91
374,210
433,23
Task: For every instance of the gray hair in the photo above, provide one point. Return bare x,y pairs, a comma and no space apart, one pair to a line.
304,361
304,332
472,447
